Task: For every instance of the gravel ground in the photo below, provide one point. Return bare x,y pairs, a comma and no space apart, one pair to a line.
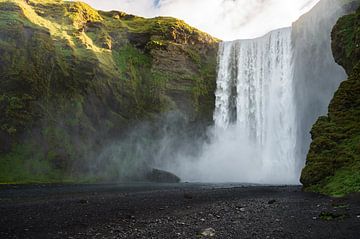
174,211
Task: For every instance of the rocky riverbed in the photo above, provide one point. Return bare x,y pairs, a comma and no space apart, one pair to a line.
174,211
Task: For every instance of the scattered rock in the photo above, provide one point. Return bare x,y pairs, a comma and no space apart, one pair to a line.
83,201
188,196
271,201
208,232
132,217
161,176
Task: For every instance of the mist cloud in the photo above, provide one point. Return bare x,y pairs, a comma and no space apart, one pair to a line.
225,19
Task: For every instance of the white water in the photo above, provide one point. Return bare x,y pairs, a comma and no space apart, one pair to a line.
255,128
261,72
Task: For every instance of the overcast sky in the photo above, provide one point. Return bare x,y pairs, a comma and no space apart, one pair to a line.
225,19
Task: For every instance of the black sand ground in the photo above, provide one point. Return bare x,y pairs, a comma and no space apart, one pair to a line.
174,211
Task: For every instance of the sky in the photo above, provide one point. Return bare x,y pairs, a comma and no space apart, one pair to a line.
224,19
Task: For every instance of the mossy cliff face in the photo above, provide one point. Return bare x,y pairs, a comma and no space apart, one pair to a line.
71,77
333,162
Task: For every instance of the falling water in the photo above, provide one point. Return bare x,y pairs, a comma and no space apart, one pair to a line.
255,99
270,91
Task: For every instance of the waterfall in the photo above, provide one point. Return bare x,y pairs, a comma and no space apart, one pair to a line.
255,99
270,91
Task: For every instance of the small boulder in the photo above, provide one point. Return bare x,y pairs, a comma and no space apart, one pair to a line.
161,176
83,201
188,195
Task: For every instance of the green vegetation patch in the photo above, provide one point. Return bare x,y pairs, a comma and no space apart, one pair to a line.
333,162
73,78
329,216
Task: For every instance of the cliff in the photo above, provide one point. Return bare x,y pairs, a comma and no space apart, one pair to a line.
333,162
72,77
316,74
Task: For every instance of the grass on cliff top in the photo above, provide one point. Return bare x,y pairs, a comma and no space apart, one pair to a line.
65,22
164,26
60,17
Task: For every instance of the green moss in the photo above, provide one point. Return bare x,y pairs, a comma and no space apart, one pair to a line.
333,162
72,77
26,165
144,85
329,216
167,28
156,44
129,57
346,36
14,113
81,13
343,182
194,55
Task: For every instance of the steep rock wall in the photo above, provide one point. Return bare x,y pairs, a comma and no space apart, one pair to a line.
333,162
72,77
316,74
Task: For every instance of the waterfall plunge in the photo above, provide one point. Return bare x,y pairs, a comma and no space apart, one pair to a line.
269,95
255,100
254,137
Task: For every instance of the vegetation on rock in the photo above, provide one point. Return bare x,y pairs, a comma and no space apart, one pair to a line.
333,162
72,77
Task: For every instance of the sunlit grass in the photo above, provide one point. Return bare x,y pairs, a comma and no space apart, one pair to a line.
67,52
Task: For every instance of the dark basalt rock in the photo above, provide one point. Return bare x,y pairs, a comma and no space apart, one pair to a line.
160,176
139,40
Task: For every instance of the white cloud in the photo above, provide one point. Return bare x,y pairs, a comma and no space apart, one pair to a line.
225,19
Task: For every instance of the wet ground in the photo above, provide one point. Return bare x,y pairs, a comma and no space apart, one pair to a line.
174,211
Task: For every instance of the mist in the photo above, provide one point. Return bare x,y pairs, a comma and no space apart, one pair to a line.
260,121
253,139
159,143
317,76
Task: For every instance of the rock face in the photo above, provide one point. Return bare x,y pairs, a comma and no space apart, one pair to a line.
316,74
72,77
333,162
